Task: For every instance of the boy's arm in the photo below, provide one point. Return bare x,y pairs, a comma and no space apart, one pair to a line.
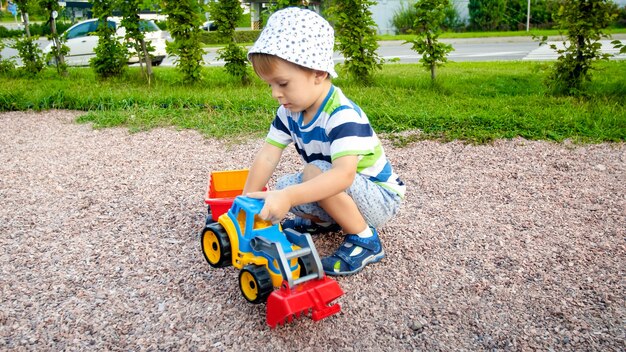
325,185
262,168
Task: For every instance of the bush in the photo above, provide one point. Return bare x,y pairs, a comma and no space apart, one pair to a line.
31,55
161,24
355,35
239,37
36,30
516,12
43,29
404,18
487,15
620,21
10,33
5,65
582,50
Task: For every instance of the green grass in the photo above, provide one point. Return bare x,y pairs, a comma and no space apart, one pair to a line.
474,102
452,35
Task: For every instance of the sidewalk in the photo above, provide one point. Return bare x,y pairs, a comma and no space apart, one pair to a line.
545,52
513,39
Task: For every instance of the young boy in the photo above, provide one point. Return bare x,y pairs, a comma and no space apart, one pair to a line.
347,181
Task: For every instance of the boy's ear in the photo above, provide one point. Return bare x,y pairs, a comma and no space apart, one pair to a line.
320,76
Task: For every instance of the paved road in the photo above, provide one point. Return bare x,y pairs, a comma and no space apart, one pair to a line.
474,49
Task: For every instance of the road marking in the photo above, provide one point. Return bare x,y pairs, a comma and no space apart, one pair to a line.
499,53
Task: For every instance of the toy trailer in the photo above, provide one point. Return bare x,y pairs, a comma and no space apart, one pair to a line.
222,189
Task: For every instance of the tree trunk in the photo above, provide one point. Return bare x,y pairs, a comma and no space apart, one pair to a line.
25,17
148,59
429,40
57,47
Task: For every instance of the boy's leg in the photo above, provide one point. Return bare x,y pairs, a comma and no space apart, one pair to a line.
341,208
362,244
362,204
310,217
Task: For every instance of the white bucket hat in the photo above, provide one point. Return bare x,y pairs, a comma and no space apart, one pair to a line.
299,36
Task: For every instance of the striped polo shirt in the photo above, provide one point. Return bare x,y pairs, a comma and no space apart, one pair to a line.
339,128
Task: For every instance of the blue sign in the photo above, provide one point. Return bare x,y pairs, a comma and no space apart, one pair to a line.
12,8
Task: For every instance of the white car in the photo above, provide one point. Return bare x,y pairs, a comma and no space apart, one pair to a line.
82,40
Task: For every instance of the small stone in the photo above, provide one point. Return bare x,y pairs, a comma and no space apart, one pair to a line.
416,326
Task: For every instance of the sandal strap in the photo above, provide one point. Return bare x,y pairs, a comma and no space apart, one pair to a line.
345,257
363,242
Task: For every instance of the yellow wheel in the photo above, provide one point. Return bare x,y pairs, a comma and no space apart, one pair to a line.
215,246
255,283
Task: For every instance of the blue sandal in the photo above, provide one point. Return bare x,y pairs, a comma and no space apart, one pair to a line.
302,225
341,263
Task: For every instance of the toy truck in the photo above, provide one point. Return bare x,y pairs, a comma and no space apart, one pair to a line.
279,267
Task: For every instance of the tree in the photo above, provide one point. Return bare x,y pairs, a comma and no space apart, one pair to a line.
25,6
135,36
226,14
430,16
111,56
486,14
584,21
356,35
59,49
28,50
184,21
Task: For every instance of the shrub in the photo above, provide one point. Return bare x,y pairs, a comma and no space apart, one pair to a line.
227,14
31,55
111,55
239,37
183,23
5,65
516,13
404,18
620,21
161,24
355,33
10,33
487,15
429,16
585,22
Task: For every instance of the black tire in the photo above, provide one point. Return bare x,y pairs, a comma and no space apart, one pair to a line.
306,266
209,217
157,62
255,283
215,246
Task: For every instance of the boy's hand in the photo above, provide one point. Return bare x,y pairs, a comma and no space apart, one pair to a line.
277,204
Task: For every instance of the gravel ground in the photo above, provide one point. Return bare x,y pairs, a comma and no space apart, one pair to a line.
517,245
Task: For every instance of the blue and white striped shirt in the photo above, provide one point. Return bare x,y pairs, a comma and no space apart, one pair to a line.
339,128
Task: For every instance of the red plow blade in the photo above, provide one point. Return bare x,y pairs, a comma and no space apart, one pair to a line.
314,296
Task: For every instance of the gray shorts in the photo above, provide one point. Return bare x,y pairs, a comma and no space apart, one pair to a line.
377,204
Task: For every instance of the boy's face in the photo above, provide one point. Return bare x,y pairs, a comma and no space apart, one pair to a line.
295,88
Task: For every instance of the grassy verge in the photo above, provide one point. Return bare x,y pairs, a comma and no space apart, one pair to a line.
476,102
462,35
